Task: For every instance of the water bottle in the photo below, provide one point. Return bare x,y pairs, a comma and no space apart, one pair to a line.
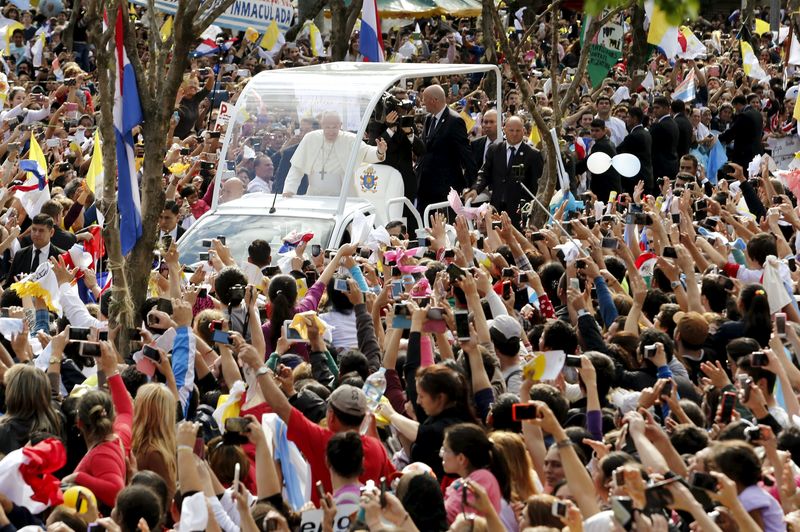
373,389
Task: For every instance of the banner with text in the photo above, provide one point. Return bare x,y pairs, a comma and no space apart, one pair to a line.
242,14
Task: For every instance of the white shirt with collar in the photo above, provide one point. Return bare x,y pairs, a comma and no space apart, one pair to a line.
44,256
259,185
173,233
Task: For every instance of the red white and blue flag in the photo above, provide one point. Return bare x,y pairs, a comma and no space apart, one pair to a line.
370,40
127,115
210,47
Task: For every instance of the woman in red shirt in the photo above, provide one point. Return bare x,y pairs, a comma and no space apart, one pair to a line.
105,422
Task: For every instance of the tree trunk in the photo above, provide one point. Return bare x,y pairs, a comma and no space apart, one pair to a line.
69,29
343,19
158,81
121,308
490,55
550,174
638,57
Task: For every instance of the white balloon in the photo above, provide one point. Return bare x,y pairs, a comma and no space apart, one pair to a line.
627,164
598,162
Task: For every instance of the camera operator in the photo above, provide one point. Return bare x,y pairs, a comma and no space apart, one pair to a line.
398,129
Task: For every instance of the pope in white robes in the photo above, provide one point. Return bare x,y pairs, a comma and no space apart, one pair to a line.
322,155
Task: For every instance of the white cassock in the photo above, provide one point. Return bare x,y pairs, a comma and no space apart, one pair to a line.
324,162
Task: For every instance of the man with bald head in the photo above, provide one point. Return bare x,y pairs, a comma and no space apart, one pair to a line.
509,163
480,145
448,161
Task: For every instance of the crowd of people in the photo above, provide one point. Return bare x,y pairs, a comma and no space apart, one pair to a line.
631,364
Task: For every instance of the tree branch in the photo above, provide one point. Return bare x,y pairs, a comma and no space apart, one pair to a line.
311,14
210,15
554,77
547,183
583,61
532,27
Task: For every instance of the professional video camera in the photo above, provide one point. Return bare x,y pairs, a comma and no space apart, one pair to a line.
389,103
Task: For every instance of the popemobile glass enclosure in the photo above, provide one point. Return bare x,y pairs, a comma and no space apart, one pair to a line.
278,104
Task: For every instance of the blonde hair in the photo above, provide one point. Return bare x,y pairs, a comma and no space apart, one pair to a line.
520,468
154,424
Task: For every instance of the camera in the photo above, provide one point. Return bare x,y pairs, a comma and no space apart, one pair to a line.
518,172
236,295
389,103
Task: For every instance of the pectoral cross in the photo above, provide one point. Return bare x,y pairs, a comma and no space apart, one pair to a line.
322,174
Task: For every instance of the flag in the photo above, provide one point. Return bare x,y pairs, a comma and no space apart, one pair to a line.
294,239
250,35
750,62
649,82
8,30
3,88
762,27
57,72
211,33
127,115
370,40
535,137
96,246
467,120
37,49
166,29
42,284
33,193
794,51
26,475
417,35
273,40
716,40
661,33
796,112
211,47
691,46
687,90
94,176
315,37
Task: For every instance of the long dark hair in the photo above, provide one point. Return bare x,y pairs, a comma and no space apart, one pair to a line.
440,379
282,296
471,441
756,315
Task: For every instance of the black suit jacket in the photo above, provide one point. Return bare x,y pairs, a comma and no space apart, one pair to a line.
478,147
685,134
639,143
665,153
400,153
601,184
61,239
507,194
448,160
745,132
283,170
22,261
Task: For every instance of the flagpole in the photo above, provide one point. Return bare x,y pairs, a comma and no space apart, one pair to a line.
553,220
220,44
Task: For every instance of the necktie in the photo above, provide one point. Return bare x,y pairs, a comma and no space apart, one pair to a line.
35,264
433,126
512,151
